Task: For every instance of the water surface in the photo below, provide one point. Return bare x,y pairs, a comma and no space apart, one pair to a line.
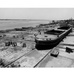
10,24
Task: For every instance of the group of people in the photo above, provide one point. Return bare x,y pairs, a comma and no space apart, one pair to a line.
14,44
8,43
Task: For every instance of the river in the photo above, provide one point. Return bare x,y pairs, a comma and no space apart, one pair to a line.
12,23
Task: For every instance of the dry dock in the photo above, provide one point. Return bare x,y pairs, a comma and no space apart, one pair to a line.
28,57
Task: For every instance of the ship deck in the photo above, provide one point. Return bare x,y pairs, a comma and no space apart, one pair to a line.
45,36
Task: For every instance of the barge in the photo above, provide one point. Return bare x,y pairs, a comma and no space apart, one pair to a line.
51,38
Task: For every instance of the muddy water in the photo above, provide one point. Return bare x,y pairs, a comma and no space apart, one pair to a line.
10,24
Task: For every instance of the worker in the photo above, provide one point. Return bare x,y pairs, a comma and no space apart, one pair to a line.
35,35
14,44
7,43
24,45
39,32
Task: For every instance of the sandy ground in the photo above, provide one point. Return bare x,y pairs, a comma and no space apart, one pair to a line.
56,62
31,59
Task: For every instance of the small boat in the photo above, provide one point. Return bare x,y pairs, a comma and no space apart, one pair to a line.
51,38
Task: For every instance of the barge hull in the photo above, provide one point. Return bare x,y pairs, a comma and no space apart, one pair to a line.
52,43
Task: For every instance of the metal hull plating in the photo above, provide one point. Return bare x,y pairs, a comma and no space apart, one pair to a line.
51,43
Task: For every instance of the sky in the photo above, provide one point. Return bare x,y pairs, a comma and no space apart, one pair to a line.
37,13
